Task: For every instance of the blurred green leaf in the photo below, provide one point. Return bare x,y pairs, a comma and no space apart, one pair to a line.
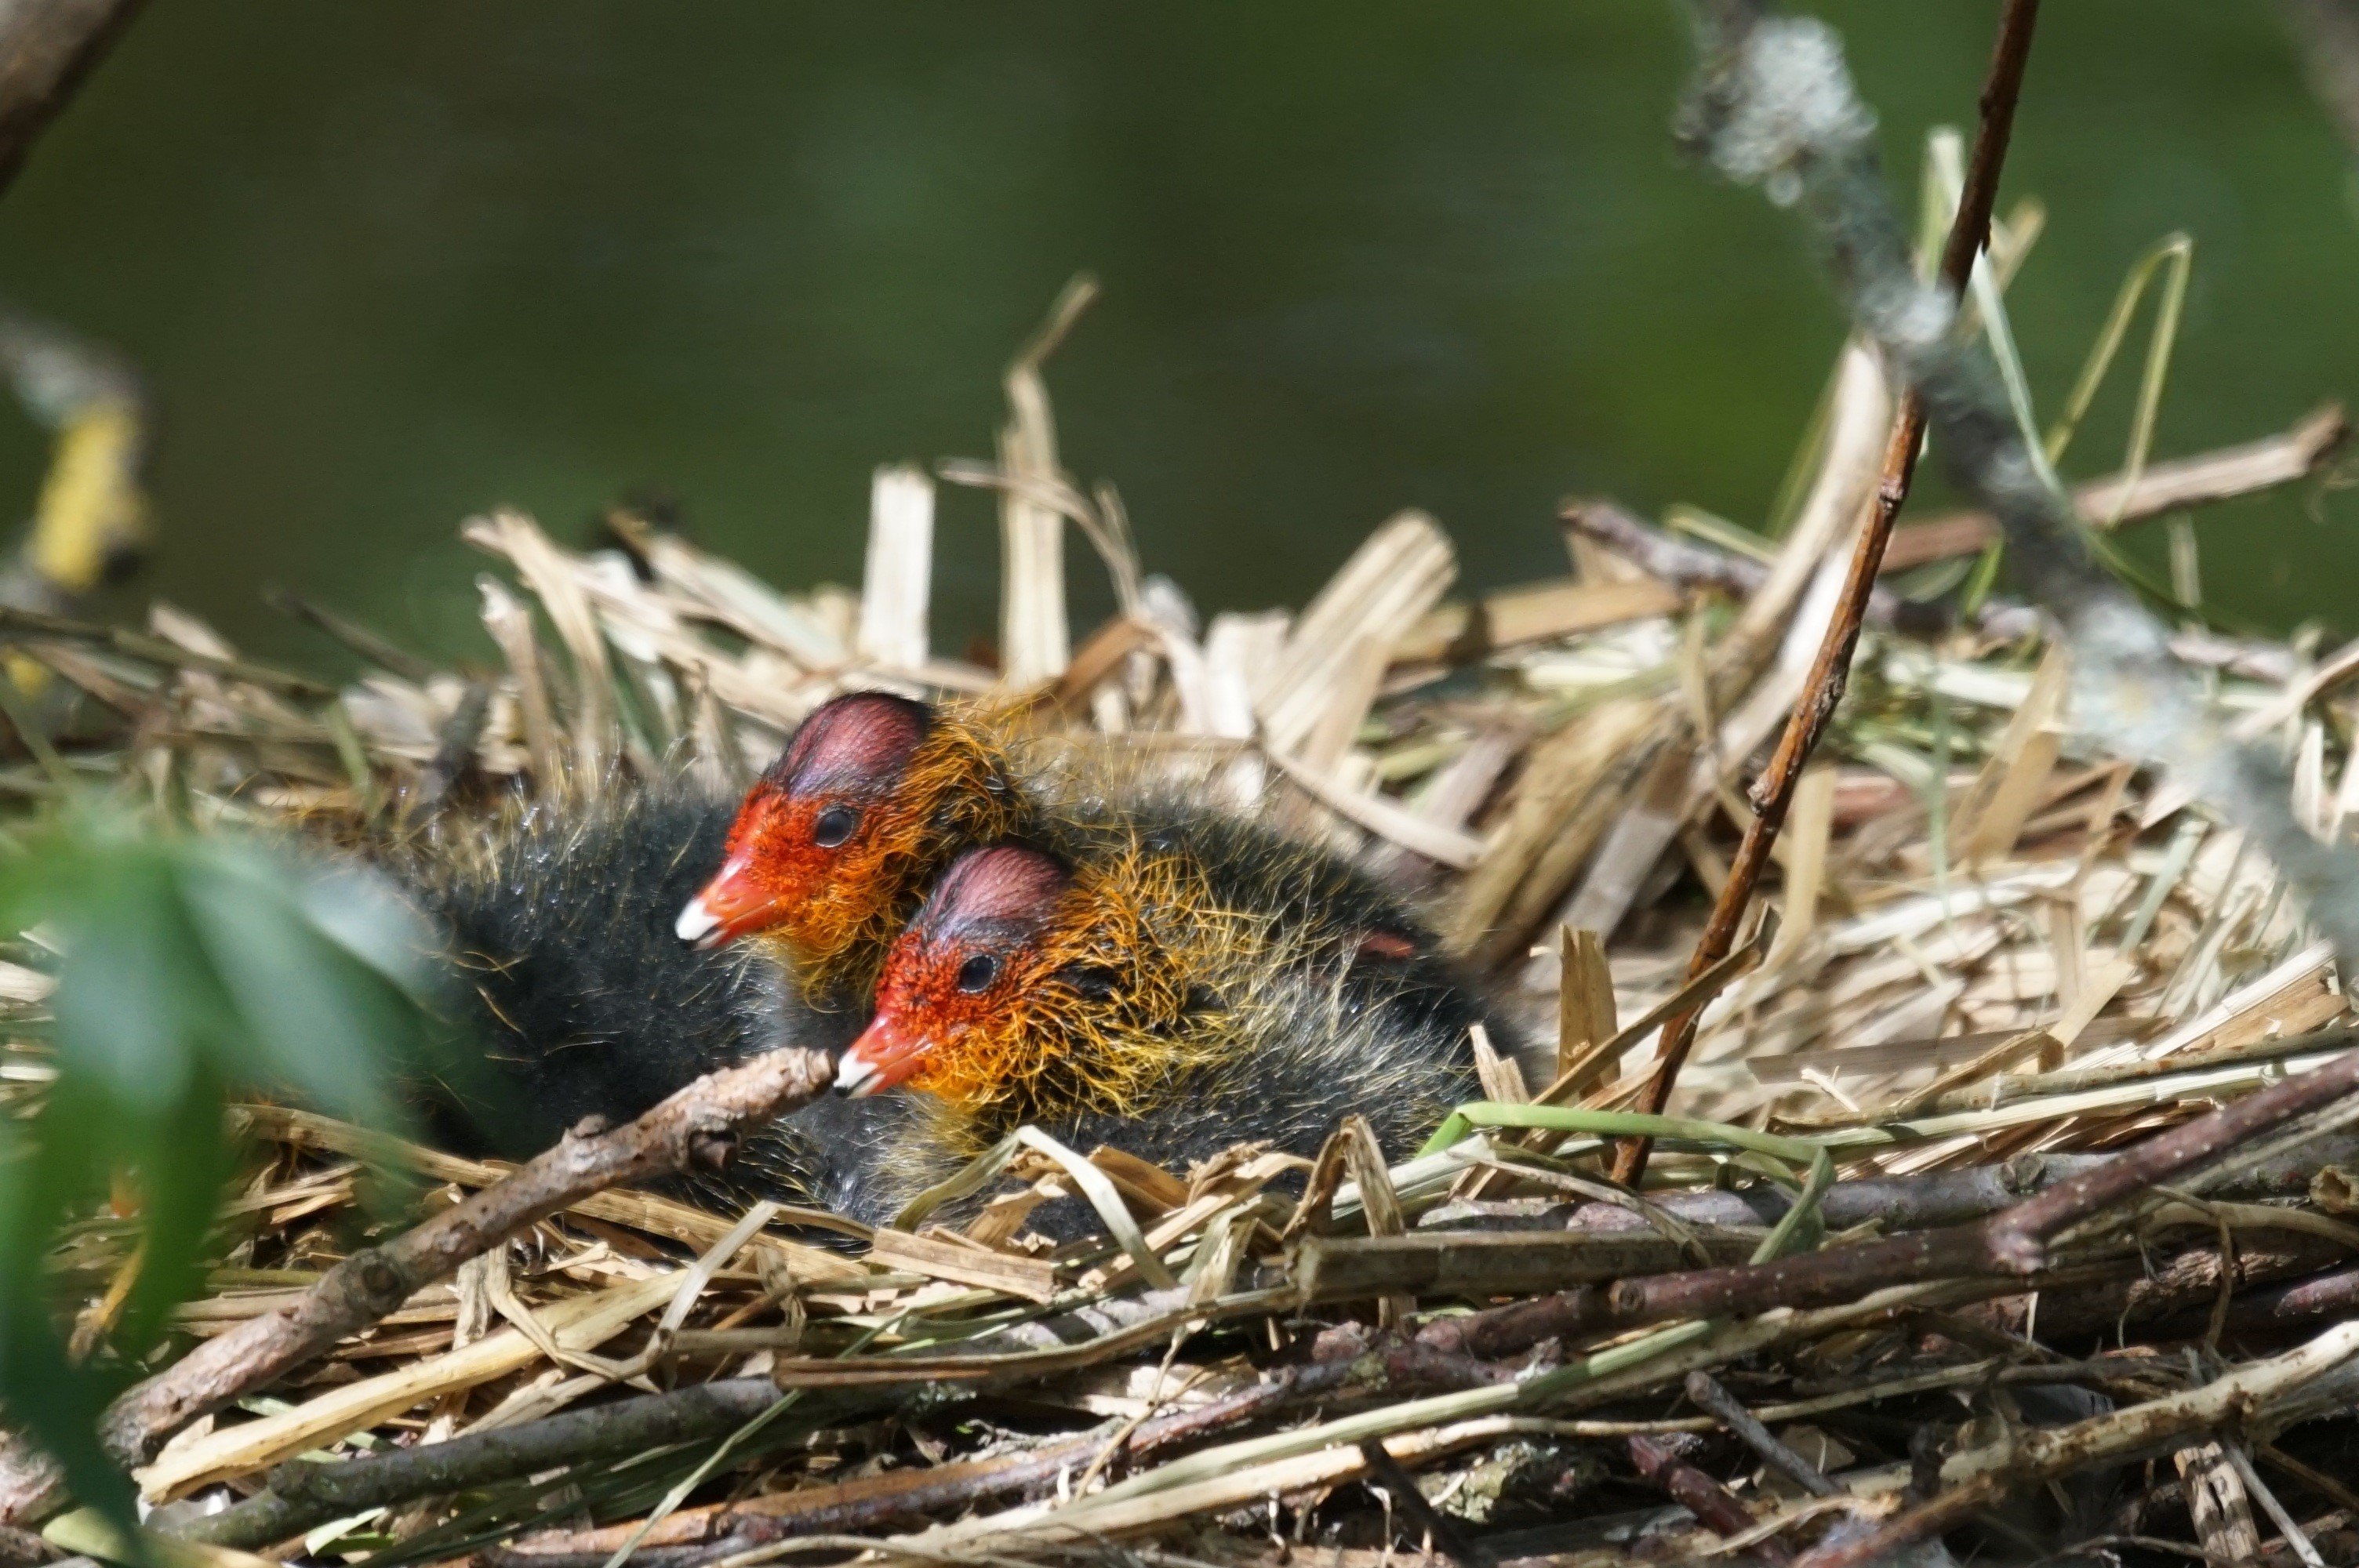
193,967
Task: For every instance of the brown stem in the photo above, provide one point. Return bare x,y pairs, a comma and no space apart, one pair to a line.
2012,1241
1719,1509
1387,1472
47,48
301,1496
1705,1393
695,1128
2172,1298
1773,793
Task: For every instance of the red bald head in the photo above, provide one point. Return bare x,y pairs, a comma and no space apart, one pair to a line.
1005,888
963,971
809,829
861,740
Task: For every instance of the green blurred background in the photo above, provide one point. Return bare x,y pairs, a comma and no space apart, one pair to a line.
390,264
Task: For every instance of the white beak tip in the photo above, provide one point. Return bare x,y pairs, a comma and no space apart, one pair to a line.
697,923
856,1078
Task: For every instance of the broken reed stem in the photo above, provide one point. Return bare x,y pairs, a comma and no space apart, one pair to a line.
697,1128
1773,793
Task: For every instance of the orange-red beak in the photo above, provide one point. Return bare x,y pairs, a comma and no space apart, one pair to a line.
884,1055
733,903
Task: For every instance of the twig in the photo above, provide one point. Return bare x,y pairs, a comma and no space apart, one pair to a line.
1773,791
303,1495
1776,101
363,640
1707,1395
2013,1241
2173,1298
1919,1202
47,48
697,1128
2292,1304
1682,563
1401,1487
1688,564
1719,1509
872,1502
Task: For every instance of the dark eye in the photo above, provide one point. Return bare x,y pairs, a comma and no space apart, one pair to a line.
977,973
834,826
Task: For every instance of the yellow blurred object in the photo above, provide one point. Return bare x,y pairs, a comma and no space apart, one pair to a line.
93,511
91,516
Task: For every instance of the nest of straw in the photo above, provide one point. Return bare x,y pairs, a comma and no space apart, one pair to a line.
1987,956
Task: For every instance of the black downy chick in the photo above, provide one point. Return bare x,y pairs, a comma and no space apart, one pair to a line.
586,1008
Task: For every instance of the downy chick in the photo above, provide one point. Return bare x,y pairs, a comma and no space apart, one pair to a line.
1128,1002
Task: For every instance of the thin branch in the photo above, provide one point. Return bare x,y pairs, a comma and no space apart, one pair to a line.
865,1503
1720,1510
362,641
303,1495
46,48
1822,690
697,1128
1705,1392
1774,103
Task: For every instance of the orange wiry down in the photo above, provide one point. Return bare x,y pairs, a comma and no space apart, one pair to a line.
1147,933
956,792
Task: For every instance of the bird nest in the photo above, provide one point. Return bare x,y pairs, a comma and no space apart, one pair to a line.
1988,954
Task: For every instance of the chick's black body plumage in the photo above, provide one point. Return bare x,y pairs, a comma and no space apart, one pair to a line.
558,925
